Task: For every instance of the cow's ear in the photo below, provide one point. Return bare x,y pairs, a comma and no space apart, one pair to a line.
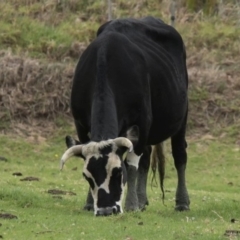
133,134
71,141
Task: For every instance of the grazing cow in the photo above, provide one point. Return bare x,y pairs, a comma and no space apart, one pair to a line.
129,92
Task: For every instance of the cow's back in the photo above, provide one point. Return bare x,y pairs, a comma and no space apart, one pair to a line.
165,57
126,81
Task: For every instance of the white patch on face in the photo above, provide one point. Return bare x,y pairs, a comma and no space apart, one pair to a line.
133,159
113,162
119,203
105,186
92,150
93,191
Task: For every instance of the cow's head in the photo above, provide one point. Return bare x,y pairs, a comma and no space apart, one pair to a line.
104,170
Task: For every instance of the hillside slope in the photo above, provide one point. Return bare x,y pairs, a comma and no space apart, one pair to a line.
40,43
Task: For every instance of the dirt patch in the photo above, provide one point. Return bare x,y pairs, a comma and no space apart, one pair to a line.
30,179
232,233
233,220
17,174
3,159
60,192
7,216
43,232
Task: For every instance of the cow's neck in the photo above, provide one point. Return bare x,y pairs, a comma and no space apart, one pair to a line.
104,123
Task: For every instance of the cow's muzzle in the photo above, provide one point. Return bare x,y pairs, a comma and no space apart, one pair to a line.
107,211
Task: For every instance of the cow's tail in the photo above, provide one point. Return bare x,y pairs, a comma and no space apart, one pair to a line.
158,163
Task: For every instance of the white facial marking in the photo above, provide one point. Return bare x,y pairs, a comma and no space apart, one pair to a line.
92,149
119,203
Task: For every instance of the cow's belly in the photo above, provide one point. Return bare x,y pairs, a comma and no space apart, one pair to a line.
166,123
159,132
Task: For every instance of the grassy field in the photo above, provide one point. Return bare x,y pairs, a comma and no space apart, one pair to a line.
212,176
40,41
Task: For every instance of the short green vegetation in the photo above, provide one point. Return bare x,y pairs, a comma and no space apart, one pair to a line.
213,183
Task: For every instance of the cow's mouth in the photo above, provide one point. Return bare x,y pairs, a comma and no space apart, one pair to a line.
108,211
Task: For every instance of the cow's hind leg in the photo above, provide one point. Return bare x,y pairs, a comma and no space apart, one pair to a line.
142,178
179,146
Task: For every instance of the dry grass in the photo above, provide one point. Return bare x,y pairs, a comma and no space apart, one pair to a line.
31,89
35,91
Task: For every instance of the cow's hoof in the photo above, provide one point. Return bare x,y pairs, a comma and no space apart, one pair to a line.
142,206
182,208
88,207
131,208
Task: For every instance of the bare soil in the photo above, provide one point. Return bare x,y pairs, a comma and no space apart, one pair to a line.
17,174
30,179
7,216
60,192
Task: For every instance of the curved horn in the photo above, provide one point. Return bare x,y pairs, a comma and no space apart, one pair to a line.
69,153
123,142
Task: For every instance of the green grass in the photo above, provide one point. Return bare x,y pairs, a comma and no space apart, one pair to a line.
213,183
47,29
42,30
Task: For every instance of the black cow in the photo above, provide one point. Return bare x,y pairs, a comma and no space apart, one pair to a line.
129,92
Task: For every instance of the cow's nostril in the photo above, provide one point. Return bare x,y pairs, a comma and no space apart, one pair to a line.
105,212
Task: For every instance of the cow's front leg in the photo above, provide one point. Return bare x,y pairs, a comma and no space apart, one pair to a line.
131,203
142,178
89,202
